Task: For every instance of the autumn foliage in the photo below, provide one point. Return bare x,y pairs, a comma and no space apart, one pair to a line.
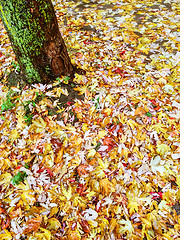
106,167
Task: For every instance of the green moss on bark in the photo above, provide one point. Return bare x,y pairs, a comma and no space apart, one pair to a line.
23,22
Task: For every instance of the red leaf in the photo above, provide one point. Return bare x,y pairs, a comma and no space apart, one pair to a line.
69,103
40,170
50,172
121,53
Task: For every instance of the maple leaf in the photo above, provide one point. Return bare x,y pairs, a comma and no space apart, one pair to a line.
106,186
66,192
159,127
103,164
38,125
28,198
33,224
14,135
101,134
133,206
91,153
90,214
155,165
132,124
126,228
162,149
81,170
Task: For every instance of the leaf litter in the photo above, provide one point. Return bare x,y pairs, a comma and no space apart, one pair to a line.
106,167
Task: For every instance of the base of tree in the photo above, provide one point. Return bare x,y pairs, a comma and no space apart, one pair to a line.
15,78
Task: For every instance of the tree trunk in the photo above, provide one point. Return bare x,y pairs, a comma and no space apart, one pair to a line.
36,40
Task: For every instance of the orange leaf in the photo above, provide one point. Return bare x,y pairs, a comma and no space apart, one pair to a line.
139,111
85,226
16,213
107,141
5,223
33,224
81,170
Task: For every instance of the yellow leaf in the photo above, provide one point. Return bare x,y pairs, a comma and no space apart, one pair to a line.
46,235
104,164
53,224
146,222
5,178
163,206
143,48
145,40
162,149
38,125
110,99
28,198
91,153
92,109
127,228
24,185
103,224
78,141
76,46
159,128
81,89
54,210
106,186
78,78
66,193
20,119
79,201
108,111
85,127
60,155
14,135
133,207
178,180
6,235
101,134
48,160
113,224
67,207
132,123
122,118
138,153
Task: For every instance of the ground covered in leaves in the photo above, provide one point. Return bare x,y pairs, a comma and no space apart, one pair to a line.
106,167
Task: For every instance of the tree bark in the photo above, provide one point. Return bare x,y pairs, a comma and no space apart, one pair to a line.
36,40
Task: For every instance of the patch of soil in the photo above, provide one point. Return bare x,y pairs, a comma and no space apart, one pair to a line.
15,78
72,94
177,208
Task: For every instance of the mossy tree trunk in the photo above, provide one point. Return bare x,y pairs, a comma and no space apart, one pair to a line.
36,40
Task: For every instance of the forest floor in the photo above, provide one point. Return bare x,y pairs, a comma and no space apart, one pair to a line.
105,165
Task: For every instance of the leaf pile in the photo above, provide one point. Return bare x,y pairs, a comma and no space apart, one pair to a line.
106,167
